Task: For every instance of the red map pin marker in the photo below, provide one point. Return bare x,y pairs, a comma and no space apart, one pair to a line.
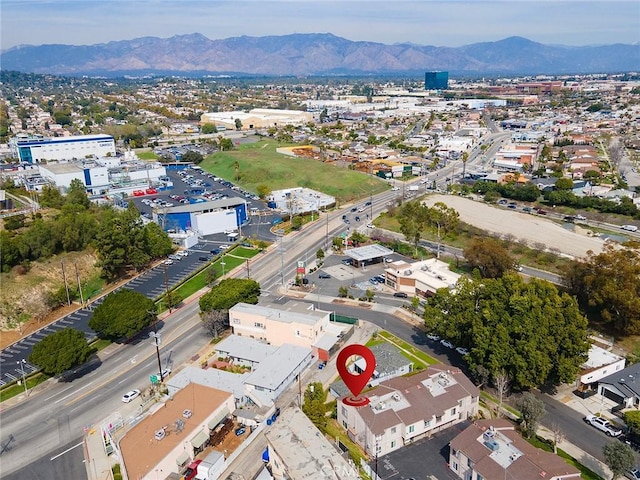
355,383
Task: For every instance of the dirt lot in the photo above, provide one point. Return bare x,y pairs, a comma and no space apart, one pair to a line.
533,228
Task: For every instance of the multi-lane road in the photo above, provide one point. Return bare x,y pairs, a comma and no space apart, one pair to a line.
40,437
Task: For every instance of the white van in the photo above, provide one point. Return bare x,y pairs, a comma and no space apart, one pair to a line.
630,228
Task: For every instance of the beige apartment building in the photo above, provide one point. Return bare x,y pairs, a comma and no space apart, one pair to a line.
294,326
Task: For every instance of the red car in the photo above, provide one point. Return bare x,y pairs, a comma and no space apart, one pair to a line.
138,193
151,191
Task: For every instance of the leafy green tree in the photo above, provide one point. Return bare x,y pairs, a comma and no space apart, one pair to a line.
529,330
564,184
412,218
320,254
123,241
123,314
208,128
296,222
343,292
358,238
619,458
238,124
77,195
632,420
491,196
608,285
229,292
489,256
191,156
314,404
263,191
60,351
442,220
532,410
14,222
51,197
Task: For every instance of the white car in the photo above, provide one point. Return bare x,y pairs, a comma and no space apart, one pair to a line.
433,336
186,413
224,247
129,396
462,350
633,474
603,425
168,261
371,225
395,189
446,343
581,217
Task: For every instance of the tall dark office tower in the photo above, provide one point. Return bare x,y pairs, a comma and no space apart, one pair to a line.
436,80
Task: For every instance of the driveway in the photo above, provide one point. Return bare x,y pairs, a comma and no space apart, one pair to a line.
426,458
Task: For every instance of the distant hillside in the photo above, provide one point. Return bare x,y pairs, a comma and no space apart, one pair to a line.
313,54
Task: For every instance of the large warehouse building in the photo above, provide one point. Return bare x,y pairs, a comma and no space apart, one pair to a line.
205,218
36,149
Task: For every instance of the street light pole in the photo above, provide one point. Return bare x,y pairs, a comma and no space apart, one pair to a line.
156,337
21,363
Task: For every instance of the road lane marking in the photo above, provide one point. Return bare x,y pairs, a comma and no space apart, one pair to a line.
66,451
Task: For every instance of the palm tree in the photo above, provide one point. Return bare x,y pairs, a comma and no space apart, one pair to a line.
236,167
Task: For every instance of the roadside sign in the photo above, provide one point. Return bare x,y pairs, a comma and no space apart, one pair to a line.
154,379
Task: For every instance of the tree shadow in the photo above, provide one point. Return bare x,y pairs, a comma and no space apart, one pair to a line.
81,370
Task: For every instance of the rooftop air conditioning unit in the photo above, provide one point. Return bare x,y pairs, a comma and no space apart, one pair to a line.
407,272
492,445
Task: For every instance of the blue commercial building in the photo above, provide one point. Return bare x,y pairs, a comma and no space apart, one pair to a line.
35,149
436,80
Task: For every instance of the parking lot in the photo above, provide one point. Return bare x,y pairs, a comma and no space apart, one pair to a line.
192,185
425,459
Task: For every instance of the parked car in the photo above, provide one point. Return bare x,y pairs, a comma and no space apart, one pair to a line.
324,275
225,247
581,218
629,228
240,431
371,225
129,396
633,474
462,350
603,425
186,413
433,336
446,343
168,261
400,295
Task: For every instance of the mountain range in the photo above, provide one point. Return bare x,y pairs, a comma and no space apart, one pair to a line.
314,54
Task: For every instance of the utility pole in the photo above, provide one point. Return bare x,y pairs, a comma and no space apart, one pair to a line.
24,382
248,273
79,285
66,286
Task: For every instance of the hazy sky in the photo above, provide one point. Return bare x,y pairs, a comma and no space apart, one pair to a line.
426,22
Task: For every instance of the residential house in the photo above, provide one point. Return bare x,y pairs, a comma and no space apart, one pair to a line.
600,364
390,363
623,386
405,409
492,449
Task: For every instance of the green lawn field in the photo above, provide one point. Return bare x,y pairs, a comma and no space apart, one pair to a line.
259,163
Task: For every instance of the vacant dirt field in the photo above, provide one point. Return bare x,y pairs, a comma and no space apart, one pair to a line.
533,228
